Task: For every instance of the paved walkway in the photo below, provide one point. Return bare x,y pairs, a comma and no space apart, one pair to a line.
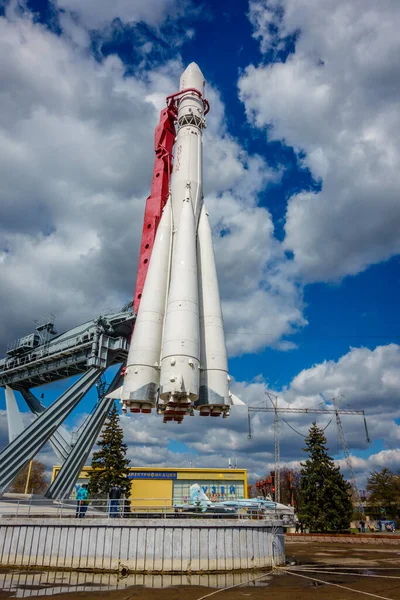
23,507
344,538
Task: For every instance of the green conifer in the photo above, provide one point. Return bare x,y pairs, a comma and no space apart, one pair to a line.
384,490
109,463
325,496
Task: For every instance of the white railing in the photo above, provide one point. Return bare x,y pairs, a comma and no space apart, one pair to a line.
93,508
257,513
22,507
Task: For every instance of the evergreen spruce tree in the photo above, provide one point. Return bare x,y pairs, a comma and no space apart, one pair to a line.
109,463
325,496
384,490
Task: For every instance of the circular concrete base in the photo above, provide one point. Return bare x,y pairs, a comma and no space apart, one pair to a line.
143,545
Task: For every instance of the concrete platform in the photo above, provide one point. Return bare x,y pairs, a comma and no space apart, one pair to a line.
141,545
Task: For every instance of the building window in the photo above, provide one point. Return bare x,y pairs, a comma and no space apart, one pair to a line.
216,491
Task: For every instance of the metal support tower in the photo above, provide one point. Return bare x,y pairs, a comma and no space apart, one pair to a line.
23,449
85,351
276,410
62,485
277,447
353,479
101,342
60,440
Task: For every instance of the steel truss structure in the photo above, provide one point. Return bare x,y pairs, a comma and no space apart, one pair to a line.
312,411
86,351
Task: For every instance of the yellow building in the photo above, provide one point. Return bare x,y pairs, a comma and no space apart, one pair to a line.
154,486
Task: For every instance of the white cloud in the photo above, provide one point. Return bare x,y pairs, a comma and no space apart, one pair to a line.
369,379
261,300
336,100
96,14
69,176
76,160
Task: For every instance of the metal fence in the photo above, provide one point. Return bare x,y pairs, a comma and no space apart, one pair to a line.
128,508
93,508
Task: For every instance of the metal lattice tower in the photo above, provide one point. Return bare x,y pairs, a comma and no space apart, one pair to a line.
335,411
86,351
353,480
277,447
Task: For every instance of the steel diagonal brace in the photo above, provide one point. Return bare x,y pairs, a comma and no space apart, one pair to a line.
60,440
21,450
70,470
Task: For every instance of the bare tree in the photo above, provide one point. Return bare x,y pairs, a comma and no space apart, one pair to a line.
37,483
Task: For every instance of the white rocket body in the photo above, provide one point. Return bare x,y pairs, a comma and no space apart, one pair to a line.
177,358
142,375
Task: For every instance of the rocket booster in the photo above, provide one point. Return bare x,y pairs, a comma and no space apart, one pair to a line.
177,359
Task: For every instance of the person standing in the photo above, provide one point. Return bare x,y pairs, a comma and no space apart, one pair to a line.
81,501
114,496
362,525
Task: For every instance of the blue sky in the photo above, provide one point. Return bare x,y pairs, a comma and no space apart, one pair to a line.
301,181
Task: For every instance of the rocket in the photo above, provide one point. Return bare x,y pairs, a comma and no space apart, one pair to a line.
177,361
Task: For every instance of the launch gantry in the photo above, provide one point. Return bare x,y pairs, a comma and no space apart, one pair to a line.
86,352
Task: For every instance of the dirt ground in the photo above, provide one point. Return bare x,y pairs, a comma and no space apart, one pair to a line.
371,569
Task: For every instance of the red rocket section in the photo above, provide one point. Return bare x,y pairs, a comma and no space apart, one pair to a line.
164,139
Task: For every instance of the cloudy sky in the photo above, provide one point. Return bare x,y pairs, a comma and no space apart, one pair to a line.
301,181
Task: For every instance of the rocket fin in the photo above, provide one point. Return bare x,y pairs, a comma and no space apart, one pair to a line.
116,394
235,401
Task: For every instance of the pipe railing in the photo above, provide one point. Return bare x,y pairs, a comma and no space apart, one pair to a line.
95,508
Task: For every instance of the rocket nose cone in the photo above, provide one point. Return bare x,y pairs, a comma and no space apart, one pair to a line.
192,77
193,67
